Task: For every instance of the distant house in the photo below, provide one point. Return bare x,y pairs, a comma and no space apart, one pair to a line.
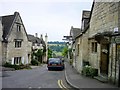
74,33
80,43
16,49
38,43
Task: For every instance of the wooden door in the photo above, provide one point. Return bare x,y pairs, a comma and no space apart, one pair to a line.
118,58
104,58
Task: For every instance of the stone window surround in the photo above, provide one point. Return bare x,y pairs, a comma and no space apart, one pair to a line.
93,47
18,43
17,60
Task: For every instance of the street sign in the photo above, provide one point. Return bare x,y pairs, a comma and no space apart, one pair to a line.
116,29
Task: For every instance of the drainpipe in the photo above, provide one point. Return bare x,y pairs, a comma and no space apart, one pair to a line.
119,73
115,63
111,57
119,69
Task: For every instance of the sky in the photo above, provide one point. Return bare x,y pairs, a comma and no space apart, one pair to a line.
54,17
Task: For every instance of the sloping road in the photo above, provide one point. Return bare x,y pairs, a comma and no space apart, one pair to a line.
35,78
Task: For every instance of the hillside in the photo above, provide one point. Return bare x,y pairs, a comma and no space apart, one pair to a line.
56,47
56,42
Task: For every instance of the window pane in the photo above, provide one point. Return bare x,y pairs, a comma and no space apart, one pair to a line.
92,47
18,28
18,43
95,46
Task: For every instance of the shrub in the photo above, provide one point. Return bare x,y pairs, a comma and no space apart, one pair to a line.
7,64
16,67
89,71
34,62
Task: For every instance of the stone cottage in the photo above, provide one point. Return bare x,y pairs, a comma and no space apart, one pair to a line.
38,43
74,33
16,49
80,43
99,42
104,39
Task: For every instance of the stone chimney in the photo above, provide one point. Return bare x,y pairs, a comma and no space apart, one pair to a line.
16,13
41,36
36,34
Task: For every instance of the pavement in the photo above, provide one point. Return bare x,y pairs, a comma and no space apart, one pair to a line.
80,82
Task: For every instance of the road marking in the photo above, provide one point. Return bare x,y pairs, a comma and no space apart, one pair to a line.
60,83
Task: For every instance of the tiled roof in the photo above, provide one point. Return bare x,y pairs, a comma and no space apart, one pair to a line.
34,40
7,22
74,32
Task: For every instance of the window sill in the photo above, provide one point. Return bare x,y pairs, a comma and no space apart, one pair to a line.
18,48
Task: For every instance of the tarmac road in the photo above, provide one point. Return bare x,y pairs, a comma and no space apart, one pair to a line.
35,78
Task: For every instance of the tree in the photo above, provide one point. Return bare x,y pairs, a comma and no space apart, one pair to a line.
50,52
65,51
38,54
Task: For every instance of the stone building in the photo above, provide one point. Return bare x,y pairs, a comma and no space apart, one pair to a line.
1,39
99,43
38,43
81,43
15,45
104,39
74,32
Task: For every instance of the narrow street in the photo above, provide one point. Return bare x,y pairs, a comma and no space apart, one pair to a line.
38,77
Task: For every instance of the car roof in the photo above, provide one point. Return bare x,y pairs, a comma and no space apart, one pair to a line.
54,59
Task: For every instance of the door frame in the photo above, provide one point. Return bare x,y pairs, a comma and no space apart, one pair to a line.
107,60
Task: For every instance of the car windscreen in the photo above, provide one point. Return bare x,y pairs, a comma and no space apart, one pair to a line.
54,61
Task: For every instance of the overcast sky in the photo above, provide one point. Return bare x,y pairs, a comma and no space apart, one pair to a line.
54,17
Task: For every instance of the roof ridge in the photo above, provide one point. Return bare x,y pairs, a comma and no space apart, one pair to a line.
7,15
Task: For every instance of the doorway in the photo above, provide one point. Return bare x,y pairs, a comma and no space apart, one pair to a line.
104,59
118,58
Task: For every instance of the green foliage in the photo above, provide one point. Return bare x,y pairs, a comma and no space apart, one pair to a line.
65,51
56,42
50,52
7,64
89,71
16,67
57,48
38,54
34,62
